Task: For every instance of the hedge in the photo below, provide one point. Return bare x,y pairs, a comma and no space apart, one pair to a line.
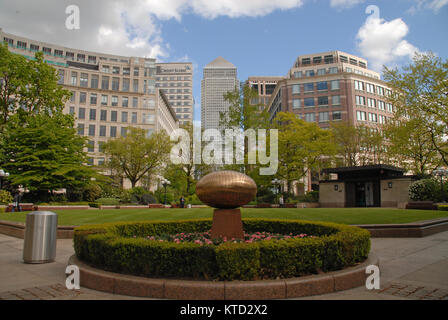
442,207
113,247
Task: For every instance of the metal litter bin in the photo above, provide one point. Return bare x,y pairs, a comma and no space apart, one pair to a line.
40,237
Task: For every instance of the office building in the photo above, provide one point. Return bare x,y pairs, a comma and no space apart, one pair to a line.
264,86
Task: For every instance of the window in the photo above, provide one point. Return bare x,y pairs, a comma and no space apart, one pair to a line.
353,62
115,84
116,70
91,146
93,98
370,88
94,81
58,53
102,131
124,102
371,103
337,115
74,81
73,96
343,58
81,113
308,102
104,100
321,72
148,118
306,61
113,132
389,107
360,100
309,73
92,115
373,117
362,64
322,86
380,90
359,85
33,47
114,101
81,58
105,83
361,116
136,71
100,149
317,59
92,130
381,119
92,59
21,44
296,104
72,110
46,50
113,116
334,84
81,129
125,86
333,70
324,117
61,74
126,71
124,131
84,80
103,115
336,100
149,103
295,89
328,59
297,74
310,117
322,101
134,102
10,42
381,105
69,55
135,85
308,87
105,69
134,117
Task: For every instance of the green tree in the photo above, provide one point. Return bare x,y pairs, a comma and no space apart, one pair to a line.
420,91
28,87
44,153
136,155
302,147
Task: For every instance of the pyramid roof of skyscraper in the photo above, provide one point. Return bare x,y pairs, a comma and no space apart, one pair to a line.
220,62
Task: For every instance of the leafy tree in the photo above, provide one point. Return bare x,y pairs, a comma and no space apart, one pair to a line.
302,147
28,87
420,91
136,155
44,152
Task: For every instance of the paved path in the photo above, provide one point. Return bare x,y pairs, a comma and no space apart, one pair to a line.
411,268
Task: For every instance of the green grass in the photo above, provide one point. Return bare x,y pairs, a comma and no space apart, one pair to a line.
340,215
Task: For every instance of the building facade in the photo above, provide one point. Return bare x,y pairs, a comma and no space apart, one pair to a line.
219,77
175,80
264,86
332,86
109,93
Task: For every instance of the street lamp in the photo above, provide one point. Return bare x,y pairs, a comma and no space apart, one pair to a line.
440,172
165,183
3,174
276,184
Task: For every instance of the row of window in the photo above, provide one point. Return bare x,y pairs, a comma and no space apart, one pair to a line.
371,88
322,101
103,115
322,116
312,73
168,91
173,84
178,78
371,117
91,129
125,101
373,103
312,86
126,71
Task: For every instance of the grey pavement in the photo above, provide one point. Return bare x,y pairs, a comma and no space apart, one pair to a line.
411,268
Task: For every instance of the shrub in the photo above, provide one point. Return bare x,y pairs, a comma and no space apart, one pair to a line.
147,198
193,199
121,247
91,192
311,196
443,207
423,190
108,201
5,197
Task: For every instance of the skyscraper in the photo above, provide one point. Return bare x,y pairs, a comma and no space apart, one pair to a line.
219,77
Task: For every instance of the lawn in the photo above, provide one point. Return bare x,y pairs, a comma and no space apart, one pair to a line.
339,215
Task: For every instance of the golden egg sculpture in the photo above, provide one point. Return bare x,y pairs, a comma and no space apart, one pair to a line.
226,189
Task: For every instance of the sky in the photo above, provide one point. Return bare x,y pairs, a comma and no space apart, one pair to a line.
260,37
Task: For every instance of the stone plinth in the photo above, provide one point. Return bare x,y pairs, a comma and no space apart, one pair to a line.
227,223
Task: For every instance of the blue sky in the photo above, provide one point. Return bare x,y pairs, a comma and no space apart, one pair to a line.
260,37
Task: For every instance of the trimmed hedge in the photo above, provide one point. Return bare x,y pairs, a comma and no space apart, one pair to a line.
113,247
443,207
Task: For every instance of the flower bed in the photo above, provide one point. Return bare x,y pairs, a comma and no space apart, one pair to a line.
126,248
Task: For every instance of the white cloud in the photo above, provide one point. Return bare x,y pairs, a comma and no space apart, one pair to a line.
434,5
382,42
344,4
123,27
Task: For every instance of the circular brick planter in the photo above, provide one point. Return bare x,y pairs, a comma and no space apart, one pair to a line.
116,283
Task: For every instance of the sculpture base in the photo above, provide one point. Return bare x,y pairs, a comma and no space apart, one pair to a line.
227,223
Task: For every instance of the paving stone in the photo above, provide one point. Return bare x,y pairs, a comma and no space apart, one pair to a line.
38,293
440,293
9,296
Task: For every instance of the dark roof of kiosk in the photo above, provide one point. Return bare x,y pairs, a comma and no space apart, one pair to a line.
363,168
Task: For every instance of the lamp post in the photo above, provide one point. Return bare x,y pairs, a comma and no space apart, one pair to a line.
276,184
440,172
3,174
165,183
